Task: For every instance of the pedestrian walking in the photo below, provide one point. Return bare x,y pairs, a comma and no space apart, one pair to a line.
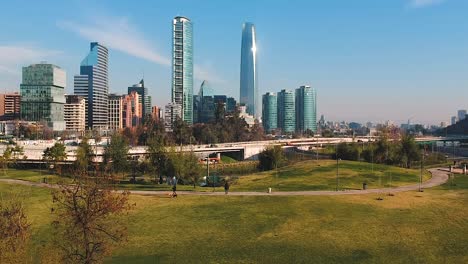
174,189
226,187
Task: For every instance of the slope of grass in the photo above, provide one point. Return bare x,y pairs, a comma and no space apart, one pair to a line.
321,175
409,227
305,175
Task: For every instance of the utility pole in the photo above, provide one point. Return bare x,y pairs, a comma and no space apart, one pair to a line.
337,166
422,168
208,168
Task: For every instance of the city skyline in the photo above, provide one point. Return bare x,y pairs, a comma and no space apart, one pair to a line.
398,54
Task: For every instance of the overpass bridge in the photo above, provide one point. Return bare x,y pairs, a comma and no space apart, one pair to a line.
242,150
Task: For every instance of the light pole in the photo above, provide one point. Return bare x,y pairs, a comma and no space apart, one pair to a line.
337,168
422,168
214,175
208,168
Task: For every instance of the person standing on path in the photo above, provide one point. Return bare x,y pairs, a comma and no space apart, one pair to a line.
226,187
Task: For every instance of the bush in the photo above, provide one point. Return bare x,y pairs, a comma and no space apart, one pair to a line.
271,158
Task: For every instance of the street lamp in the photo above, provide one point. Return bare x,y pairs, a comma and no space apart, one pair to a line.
337,179
422,168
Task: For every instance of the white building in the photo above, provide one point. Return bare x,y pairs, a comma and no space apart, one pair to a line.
74,113
172,111
115,112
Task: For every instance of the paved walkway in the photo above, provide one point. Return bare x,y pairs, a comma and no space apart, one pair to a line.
439,177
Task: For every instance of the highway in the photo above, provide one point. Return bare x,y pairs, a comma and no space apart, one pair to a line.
33,150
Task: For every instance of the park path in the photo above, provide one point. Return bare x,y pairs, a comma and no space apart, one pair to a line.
439,177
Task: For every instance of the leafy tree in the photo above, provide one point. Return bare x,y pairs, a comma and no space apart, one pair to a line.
12,153
327,133
84,157
14,231
409,150
347,151
130,136
88,222
271,158
157,155
181,132
55,154
116,154
256,132
96,135
205,134
193,170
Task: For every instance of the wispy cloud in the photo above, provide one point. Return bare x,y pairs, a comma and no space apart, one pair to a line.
13,57
424,3
119,34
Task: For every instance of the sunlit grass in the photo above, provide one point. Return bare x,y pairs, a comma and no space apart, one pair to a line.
410,227
321,175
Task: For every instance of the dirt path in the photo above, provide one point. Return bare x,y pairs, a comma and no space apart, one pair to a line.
439,177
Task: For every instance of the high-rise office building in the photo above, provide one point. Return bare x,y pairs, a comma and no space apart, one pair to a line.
93,85
205,103
269,112
10,106
172,111
155,113
461,115
131,110
231,105
115,112
306,109
248,72
286,112
42,95
453,120
182,66
75,113
145,99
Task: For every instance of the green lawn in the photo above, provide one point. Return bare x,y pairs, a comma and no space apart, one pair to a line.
411,227
30,175
305,175
321,175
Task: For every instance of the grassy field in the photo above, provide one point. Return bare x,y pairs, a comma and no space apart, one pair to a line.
305,175
411,227
321,175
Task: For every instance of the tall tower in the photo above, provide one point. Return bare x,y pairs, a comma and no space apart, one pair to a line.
144,98
93,85
182,66
286,112
270,112
248,72
306,109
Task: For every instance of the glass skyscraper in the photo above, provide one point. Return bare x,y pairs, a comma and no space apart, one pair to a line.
286,112
93,85
145,99
306,109
248,72
269,112
182,66
206,107
42,95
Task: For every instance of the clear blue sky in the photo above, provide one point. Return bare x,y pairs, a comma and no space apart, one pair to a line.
369,60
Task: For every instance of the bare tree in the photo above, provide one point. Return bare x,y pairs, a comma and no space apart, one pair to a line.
14,230
88,219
